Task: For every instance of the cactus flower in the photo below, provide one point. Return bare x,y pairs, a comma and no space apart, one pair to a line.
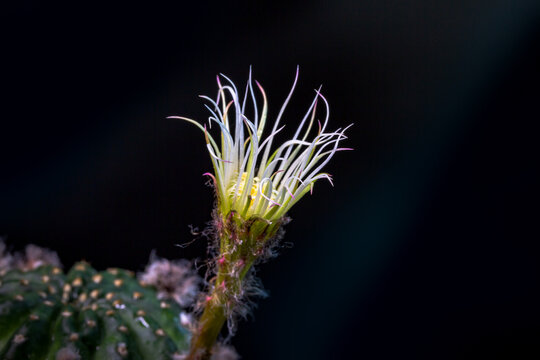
256,184
252,178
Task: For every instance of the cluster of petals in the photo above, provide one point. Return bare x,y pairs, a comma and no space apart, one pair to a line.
252,177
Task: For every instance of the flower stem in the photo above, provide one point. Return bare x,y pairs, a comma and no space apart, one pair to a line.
220,302
241,245
210,325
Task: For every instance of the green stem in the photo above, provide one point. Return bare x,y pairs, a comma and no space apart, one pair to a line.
210,325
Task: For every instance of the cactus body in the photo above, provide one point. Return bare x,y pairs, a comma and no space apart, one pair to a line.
85,314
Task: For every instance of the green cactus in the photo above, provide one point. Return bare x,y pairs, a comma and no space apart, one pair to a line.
85,314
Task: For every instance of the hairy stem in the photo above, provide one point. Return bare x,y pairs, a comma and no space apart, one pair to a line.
241,244
220,303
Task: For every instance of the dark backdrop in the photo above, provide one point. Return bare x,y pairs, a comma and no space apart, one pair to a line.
427,247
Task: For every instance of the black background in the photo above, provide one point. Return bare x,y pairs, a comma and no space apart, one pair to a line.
426,248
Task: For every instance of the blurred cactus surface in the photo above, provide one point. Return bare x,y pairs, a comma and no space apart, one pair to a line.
86,314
